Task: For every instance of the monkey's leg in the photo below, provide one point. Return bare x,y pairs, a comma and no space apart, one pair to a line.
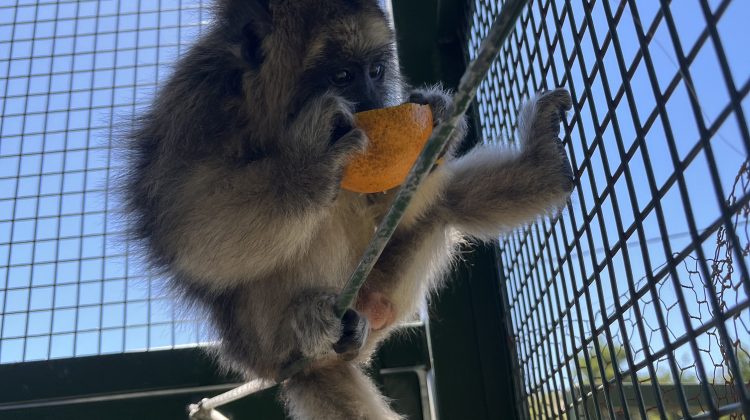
489,191
492,190
334,391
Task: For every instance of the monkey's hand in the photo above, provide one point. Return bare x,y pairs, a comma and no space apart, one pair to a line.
440,103
318,144
539,129
318,330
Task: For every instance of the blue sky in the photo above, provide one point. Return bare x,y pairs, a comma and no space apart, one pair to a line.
712,94
67,284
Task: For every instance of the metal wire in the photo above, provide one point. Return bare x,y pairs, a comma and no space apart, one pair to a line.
636,302
70,74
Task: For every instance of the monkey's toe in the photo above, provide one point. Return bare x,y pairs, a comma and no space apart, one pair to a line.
418,98
355,329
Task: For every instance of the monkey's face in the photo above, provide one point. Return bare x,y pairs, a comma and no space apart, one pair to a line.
301,49
365,73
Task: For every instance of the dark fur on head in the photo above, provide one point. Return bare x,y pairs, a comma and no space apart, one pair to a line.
233,190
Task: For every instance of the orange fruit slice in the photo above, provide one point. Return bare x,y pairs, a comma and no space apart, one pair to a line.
397,136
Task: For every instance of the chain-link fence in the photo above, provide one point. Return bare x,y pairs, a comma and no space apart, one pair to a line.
634,303
71,75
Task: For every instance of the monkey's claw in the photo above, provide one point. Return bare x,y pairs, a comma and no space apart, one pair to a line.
355,328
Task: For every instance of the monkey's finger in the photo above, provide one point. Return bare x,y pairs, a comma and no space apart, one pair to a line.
354,141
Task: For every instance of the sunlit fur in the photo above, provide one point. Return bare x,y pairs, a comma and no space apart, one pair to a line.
233,192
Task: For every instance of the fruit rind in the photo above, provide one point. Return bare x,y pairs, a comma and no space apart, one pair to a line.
397,136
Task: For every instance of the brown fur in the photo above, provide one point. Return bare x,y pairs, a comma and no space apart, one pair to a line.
233,190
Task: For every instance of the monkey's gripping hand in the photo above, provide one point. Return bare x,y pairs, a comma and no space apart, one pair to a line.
440,102
539,127
316,147
492,189
317,330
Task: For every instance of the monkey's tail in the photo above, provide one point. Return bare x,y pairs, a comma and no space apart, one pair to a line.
338,391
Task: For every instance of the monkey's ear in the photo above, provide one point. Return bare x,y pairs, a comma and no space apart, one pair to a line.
246,22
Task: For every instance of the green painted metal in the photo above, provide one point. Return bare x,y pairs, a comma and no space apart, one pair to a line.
161,384
470,345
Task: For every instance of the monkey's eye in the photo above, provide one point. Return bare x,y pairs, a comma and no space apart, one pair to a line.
342,77
376,72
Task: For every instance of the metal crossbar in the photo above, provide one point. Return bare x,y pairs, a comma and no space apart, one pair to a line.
636,302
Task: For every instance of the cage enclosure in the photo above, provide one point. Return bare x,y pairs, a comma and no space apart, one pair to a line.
633,303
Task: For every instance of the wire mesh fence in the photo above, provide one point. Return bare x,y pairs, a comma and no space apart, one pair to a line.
635,302
71,74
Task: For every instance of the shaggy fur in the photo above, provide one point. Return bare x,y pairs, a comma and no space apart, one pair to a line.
233,190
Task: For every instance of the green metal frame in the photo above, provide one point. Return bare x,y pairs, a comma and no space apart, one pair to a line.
471,348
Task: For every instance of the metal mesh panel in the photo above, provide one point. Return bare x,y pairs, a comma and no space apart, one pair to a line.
71,72
634,303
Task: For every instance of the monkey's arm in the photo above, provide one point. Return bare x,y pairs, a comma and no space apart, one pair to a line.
492,190
232,222
487,192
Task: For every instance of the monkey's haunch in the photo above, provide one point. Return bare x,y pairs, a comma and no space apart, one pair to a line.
377,308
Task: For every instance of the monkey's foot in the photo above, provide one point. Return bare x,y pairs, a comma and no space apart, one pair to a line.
440,103
541,126
550,109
